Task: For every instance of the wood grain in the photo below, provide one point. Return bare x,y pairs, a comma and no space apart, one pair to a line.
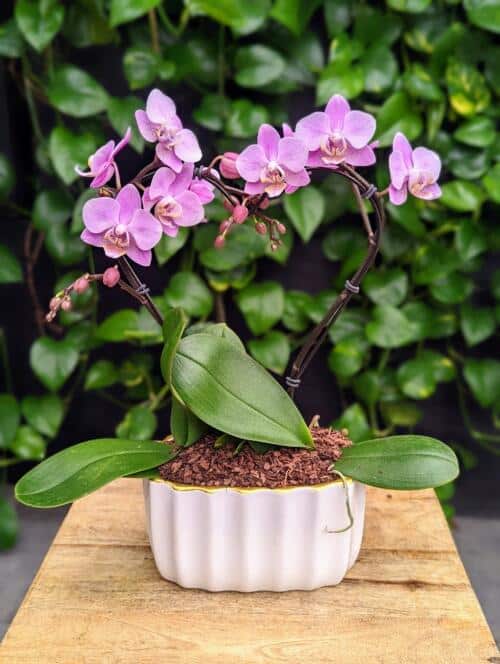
98,599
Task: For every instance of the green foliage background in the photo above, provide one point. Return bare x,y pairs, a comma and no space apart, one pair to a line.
429,69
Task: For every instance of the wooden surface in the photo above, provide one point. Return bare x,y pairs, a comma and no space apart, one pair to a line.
98,598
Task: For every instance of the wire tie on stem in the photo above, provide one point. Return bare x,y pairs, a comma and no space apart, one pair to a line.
370,191
294,383
142,289
352,288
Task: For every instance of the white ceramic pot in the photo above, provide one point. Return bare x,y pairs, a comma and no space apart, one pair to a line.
254,539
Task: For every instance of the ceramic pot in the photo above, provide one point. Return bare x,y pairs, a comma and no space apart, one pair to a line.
254,539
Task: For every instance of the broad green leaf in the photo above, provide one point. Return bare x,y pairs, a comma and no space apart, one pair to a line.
28,444
350,323
347,357
217,330
442,367
353,419
418,82
186,290
477,324
306,209
453,288
483,378
432,262
51,207
44,413
295,14
86,24
470,239
467,89
117,326
75,92
243,18
347,80
121,116
174,324
262,305
428,322
39,21
407,216
212,111
68,150
479,132
169,246
243,245
467,163
410,6
389,328
338,15
483,13
416,379
140,66
295,316
231,392
387,287
245,118
101,374
81,469
139,423
10,268
400,413
271,350
400,462
462,196
53,362
9,525
9,419
380,68
257,65
64,247
7,177
11,41
491,182
124,11
186,428
397,114
77,224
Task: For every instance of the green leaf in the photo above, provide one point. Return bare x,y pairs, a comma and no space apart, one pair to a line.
478,131
231,392
495,284
74,92
389,328
432,262
10,268
348,356
139,423
51,208
11,42
68,150
101,374
212,111
387,287
140,66
7,177
354,420
262,305
346,79
186,428
295,14
477,324
243,246
65,248
407,216
410,6
121,116
245,118
416,379
351,323
243,18
397,114
169,246
462,196
218,330
9,419
483,378
467,90
117,326
400,413
44,413
306,209
295,316
124,11
257,65
452,288
28,444
380,68
39,21
81,469
174,324
9,525
272,351
470,239
188,291
400,462
53,362
86,25
77,224
418,82
491,182
483,13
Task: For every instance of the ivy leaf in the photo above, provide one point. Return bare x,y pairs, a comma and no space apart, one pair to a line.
44,413
28,444
53,362
453,288
121,116
380,68
11,41
491,183
212,111
38,21
245,118
462,196
400,413
409,6
483,378
306,209
75,92
479,132
354,420
389,328
116,326
397,114
470,239
51,207
271,350
68,150
477,324
65,248
124,11
295,14
483,13
10,416
139,423
140,66
467,90
10,268
169,246
416,379
7,177
257,65
345,79
188,291
243,18
86,25
295,316
387,287
186,428
101,374
347,357
262,305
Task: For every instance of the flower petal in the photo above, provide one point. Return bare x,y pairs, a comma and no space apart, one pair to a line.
161,183
363,157
254,188
145,229
192,209
397,169
187,147
311,129
359,127
203,190
182,180
145,126
427,160
139,256
167,156
298,179
314,160
101,157
250,162
94,239
292,154
129,200
147,200
121,144
398,196
268,139
286,130
102,177
159,107
336,110
101,213
429,193
402,144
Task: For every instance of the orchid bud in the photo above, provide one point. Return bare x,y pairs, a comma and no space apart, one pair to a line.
80,285
111,276
225,225
66,304
227,165
240,213
275,245
261,228
219,241
54,303
264,204
281,228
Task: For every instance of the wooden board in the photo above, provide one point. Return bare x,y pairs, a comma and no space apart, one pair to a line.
98,598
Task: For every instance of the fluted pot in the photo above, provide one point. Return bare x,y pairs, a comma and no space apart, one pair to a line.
254,539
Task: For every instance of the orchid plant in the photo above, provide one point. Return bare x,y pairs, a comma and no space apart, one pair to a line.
214,384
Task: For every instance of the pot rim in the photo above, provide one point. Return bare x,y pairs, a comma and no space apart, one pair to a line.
176,486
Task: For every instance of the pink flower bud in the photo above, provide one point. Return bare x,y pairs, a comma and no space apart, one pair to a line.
228,205
225,226
54,303
264,204
111,276
240,213
261,228
227,165
81,285
66,304
219,242
281,228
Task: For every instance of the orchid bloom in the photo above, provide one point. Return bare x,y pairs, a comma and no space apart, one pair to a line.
120,226
338,135
102,164
160,123
415,171
273,165
175,203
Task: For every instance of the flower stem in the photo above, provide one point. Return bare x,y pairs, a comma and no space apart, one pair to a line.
153,29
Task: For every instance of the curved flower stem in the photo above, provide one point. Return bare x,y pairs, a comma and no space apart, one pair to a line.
136,284
362,189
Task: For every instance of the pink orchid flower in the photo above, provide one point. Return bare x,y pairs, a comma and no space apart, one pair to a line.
416,171
120,226
274,164
175,204
102,164
338,135
160,122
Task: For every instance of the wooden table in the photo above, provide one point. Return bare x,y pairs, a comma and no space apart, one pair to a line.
98,598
